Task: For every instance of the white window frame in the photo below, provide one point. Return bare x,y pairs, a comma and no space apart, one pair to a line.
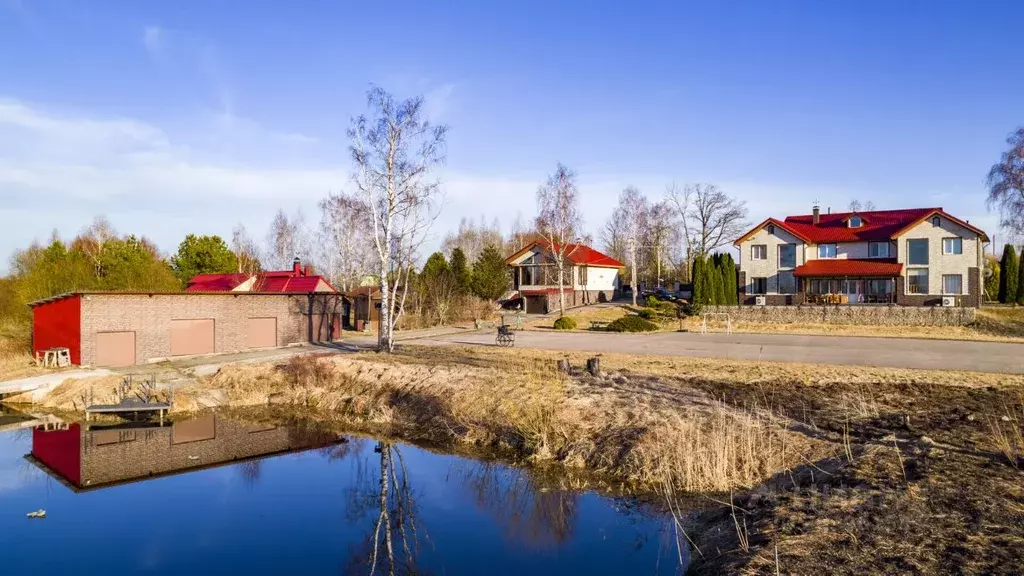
835,251
859,220
888,250
955,240
754,252
960,283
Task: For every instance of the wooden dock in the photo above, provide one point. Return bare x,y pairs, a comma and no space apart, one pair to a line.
129,407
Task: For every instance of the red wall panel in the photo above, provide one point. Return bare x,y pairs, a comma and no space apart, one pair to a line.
58,324
60,450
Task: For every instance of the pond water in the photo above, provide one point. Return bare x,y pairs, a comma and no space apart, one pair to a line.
215,495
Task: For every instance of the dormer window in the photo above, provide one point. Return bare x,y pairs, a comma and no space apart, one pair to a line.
771,229
856,222
936,221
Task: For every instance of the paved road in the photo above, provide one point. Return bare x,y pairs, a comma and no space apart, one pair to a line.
884,352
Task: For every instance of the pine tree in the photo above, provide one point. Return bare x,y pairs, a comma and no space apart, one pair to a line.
731,287
460,269
1020,281
700,288
1009,275
718,282
491,277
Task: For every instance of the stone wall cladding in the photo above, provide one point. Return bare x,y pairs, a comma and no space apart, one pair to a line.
150,318
862,315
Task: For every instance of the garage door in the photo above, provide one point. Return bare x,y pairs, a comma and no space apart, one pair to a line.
262,333
115,348
190,337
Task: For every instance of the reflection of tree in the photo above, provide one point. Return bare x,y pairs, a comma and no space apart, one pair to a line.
386,496
531,513
251,472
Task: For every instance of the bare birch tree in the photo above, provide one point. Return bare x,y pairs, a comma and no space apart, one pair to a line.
559,221
395,151
1006,185
857,206
632,213
472,238
346,230
247,252
710,218
662,235
287,240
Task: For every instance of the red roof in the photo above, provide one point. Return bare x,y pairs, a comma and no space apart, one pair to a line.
876,225
887,267
577,254
302,284
215,282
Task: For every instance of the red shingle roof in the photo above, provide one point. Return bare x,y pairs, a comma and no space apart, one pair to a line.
876,225
215,282
577,254
887,267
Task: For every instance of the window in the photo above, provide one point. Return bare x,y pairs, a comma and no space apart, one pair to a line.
759,252
771,229
917,252
787,256
952,245
936,221
878,249
758,285
879,287
787,282
917,281
855,222
826,250
952,284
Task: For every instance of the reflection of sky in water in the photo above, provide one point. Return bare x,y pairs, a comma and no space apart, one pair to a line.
316,512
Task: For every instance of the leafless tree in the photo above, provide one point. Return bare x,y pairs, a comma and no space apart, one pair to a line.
632,214
662,237
247,252
1006,185
287,239
94,239
710,218
613,238
346,231
394,152
856,206
519,235
472,238
559,221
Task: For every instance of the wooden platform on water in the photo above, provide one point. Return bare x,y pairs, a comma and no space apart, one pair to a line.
135,407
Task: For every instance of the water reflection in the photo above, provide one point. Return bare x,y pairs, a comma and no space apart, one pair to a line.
307,500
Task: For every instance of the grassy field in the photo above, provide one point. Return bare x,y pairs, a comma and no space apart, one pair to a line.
15,356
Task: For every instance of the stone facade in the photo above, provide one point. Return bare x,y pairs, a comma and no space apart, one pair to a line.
150,316
863,315
971,256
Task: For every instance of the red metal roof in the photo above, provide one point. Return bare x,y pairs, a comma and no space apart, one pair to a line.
876,225
215,282
887,267
576,254
302,284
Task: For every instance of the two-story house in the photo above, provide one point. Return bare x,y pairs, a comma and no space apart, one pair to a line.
909,257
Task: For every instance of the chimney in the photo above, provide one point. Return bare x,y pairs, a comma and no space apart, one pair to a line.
308,270
296,267
816,214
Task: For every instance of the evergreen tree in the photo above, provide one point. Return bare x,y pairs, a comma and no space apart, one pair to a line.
1020,281
700,281
731,287
723,294
1009,275
461,270
202,255
490,277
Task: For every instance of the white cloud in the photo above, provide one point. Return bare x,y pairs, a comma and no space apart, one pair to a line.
153,40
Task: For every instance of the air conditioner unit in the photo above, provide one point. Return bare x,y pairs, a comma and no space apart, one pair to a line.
760,300
949,301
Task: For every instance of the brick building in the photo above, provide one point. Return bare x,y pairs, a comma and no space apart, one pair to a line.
122,329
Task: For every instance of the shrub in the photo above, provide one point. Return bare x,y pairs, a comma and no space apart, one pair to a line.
632,324
565,323
647,313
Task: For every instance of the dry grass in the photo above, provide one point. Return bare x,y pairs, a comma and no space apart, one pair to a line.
15,352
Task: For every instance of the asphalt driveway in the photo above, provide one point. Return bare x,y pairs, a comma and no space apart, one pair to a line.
883,352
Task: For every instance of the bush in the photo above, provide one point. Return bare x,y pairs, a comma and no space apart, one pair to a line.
647,313
632,324
565,323
691,309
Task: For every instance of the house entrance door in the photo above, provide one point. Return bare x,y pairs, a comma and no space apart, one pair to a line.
852,290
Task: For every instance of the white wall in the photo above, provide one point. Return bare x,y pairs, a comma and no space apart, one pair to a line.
598,278
939,263
768,268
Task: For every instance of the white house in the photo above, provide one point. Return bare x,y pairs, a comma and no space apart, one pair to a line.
590,276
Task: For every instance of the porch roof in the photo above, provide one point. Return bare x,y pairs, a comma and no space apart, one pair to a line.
886,267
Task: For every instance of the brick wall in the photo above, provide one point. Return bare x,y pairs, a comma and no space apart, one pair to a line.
864,315
150,318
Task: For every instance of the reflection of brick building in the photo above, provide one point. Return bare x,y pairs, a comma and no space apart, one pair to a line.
89,459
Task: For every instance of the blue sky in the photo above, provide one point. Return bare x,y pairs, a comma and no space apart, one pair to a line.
172,117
